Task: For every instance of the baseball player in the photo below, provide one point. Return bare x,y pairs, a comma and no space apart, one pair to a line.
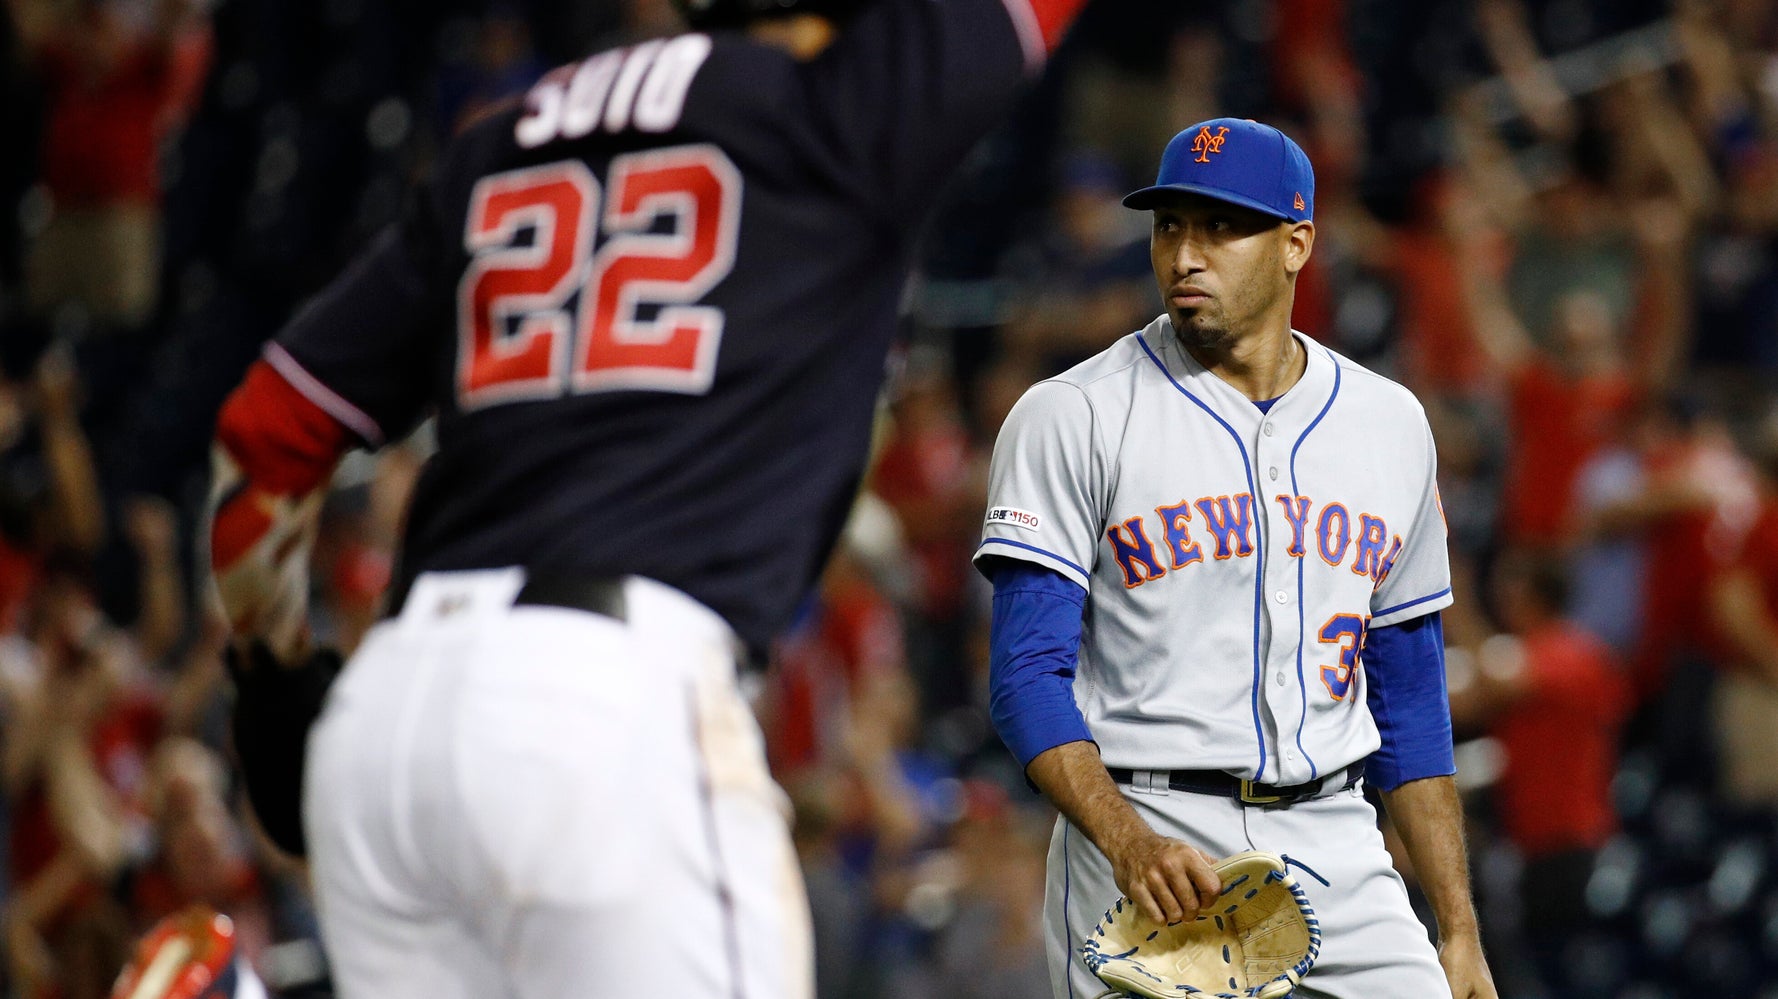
650,309
1194,537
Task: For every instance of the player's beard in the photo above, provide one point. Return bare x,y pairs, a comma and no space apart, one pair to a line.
1197,331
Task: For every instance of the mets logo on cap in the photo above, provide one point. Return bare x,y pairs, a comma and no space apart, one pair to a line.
1205,143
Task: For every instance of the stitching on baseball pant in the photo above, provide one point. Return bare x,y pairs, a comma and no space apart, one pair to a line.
725,896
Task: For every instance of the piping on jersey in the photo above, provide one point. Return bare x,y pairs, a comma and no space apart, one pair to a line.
1410,603
331,402
1034,548
1301,621
1067,927
1259,575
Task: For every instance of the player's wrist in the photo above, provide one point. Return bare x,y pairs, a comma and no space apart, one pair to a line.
1125,838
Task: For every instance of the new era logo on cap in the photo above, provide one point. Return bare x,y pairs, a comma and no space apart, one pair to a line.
1239,161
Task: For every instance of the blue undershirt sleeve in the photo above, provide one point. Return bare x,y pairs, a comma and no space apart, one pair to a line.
1404,667
1034,642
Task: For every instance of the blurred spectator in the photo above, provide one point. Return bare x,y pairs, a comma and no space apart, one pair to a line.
1698,498
1566,400
119,75
200,856
1555,699
1745,601
992,944
1439,350
86,718
1085,280
1615,505
931,472
849,634
49,487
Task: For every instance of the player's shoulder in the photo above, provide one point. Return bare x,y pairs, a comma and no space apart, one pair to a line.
630,93
1378,395
1109,370
1084,398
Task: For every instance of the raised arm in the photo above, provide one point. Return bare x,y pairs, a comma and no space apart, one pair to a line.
1506,35
1662,324
78,512
1503,338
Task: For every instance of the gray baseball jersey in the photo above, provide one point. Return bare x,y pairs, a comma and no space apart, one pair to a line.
1233,559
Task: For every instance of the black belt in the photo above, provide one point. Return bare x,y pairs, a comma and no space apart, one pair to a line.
595,595
1248,792
603,595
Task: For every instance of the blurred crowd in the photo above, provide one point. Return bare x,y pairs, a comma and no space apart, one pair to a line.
1555,220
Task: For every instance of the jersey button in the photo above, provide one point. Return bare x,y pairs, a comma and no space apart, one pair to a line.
1273,471
1268,429
1280,679
1280,596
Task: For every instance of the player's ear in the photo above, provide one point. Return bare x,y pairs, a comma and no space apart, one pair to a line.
1299,243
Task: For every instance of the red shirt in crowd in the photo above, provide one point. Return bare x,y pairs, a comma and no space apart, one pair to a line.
821,666
1561,741
108,111
1558,423
1759,555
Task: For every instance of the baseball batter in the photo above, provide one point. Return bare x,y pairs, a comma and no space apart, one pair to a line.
650,308
1218,559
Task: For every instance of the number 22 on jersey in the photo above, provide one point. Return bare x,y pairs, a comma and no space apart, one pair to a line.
555,316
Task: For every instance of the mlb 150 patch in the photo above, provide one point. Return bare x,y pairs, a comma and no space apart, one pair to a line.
1013,516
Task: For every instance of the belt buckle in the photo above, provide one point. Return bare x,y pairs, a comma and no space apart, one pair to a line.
1250,798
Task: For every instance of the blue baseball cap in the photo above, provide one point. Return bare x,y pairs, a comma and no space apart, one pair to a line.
1237,160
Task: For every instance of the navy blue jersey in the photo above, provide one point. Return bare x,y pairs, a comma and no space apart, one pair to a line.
651,306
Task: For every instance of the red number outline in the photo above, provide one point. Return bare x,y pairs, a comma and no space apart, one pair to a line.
602,345
494,366
676,351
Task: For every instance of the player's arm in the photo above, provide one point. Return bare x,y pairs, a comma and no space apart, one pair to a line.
1034,641
1046,489
1404,664
351,369
1429,818
273,457
1661,328
1500,333
911,86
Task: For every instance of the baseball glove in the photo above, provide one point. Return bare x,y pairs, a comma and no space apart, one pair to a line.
188,955
1258,945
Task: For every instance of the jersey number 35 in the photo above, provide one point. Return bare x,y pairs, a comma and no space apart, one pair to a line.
552,316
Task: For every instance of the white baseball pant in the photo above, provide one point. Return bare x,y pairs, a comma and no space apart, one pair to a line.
1372,944
541,803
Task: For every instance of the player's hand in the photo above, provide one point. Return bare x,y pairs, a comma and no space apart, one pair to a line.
259,555
1169,880
1466,969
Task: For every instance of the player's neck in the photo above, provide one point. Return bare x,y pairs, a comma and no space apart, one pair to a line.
1260,366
